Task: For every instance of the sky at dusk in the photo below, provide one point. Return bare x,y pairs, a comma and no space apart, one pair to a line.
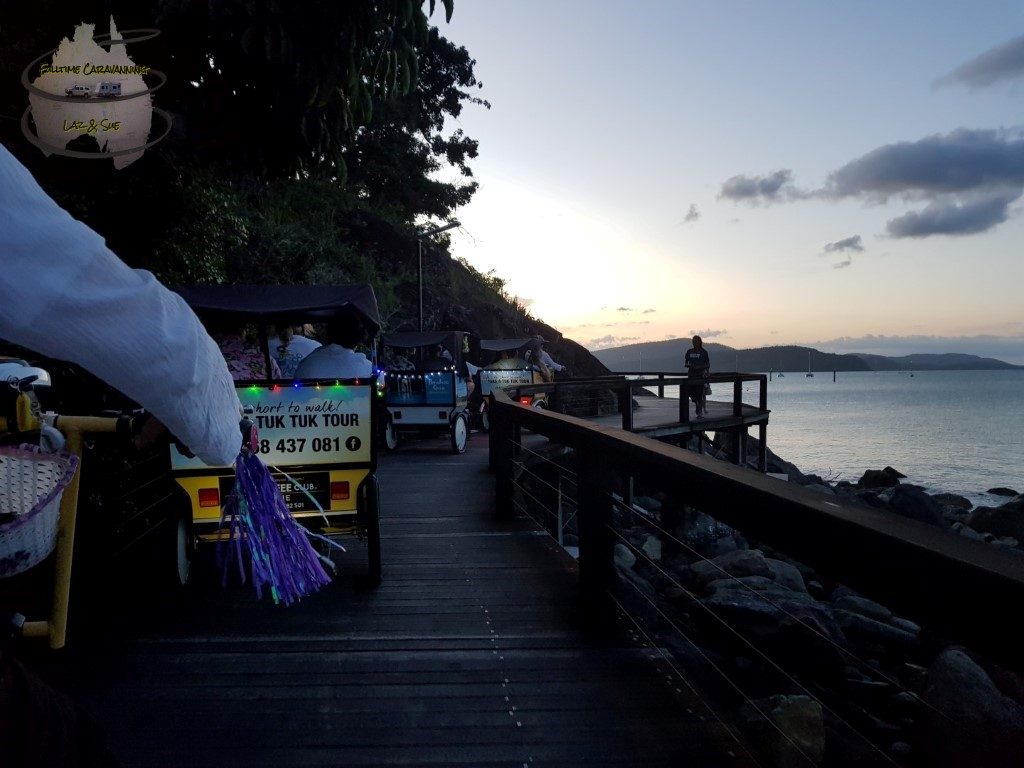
848,176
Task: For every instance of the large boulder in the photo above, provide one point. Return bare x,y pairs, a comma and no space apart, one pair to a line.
788,730
953,500
1002,492
624,557
863,606
790,627
967,722
1005,520
872,634
917,505
700,531
786,575
880,478
740,562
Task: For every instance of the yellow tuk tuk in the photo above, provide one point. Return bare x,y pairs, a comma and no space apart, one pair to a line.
317,436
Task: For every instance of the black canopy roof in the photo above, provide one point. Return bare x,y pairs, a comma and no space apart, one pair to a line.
283,303
452,340
502,345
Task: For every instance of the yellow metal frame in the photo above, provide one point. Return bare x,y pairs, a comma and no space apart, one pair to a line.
74,428
204,515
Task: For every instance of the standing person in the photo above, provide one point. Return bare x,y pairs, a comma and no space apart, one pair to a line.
698,366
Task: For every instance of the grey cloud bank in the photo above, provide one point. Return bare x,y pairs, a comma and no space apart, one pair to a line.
846,244
968,178
610,341
961,161
775,187
953,217
1004,62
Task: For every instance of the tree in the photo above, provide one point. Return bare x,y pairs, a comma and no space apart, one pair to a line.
394,159
275,88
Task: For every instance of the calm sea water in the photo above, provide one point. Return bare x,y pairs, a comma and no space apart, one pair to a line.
957,431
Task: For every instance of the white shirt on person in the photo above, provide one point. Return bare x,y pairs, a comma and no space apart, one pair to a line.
297,349
65,295
333,361
546,359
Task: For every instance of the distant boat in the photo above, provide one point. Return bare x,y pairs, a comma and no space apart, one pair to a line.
809,363
781,375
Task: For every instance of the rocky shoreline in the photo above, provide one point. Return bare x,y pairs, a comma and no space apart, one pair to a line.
860,683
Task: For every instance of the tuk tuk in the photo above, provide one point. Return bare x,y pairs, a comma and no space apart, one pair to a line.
317,436
508,369
427,389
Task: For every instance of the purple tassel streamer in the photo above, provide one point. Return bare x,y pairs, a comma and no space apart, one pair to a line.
264,532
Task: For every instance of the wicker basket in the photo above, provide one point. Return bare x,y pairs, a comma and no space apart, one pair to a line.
31,484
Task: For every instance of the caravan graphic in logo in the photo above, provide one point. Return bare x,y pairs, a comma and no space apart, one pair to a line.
89,86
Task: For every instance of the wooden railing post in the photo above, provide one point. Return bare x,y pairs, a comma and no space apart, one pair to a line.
597,546
762,429
737,398
661,385
626,405
502,455
684,404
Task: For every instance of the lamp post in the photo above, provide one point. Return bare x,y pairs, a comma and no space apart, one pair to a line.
419,255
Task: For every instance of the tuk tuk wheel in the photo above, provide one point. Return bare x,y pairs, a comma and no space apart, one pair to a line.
184,547
485,421
371,521
390,436
460,433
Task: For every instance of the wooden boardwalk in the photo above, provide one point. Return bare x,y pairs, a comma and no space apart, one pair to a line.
471,653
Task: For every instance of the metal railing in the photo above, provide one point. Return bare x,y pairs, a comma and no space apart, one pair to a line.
638,563
922,571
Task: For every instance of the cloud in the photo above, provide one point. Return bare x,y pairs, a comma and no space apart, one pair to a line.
846,244
967,178
624,309
669,336
649,311
692,214
958,162
709,333
844,263
610,341
774,188
1004,62
1009,348
952,217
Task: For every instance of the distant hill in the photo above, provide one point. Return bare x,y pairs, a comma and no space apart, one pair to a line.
668,356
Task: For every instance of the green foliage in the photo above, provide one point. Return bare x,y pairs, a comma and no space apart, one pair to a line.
277,88
397,157
211,228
